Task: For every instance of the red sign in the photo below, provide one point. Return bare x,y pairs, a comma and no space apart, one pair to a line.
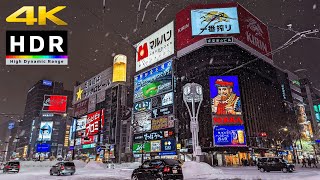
142,51
90,140
92,126
55,103
252,31
227,120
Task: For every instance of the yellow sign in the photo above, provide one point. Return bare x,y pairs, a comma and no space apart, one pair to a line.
119,68
160,123
43,15
79,93
178,146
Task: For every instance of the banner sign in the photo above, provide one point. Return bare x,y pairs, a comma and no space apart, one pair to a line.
162,111
168,145
92,124
219,40
155,47
137,147
153,82
81,108
229,136
154,135
223,120
43,147
162,123
81,123
142,105
55,103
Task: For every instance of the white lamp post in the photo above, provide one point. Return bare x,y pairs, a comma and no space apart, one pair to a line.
192,93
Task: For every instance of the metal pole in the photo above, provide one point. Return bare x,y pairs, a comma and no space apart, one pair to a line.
120,144
142,148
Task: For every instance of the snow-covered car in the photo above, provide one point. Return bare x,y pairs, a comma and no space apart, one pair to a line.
11,166
63,168
158,169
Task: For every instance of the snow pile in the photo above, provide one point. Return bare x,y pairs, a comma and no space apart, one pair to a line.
133,165
192,169
79,164
93,165
38,164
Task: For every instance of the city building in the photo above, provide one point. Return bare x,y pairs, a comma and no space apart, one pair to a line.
38,101
99,106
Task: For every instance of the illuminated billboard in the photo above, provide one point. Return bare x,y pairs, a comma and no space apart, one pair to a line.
55,103
168,144
81,123
155,47
119,68
162,123
214,21
45,131
317,112
225,95
153,82
142,105
163,100
143,121
138,148
229,136
154,135
93,121
155,146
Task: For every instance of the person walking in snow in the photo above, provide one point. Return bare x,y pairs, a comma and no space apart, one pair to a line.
304,162
314,162
309,162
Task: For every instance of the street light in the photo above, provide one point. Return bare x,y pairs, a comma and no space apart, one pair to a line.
192,92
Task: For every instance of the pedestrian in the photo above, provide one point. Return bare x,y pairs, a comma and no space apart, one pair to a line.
304,162
309,162
314,162
242,161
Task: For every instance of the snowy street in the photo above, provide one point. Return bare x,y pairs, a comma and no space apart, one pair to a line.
191,170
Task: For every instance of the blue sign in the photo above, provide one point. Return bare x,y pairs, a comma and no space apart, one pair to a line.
43,147
98,148
71,148
11,125
168,145
282,153
167,153
214,21
229,136
153,82
318,141
47,83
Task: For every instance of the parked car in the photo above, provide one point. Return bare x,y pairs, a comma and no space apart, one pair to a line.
158,169
11,166
276,164
261,161
63,168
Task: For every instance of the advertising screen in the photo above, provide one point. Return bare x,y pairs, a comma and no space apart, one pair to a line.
44,147
55,103
155,81
137,147
47,83
158,112
162,123
163,100
229,136
155,47
143,121
168,145
81,123
92,124
45,131
81,108
214,21
317,112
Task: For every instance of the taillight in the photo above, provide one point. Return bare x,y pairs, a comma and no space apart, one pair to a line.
62,167
166,169
7,167
18,166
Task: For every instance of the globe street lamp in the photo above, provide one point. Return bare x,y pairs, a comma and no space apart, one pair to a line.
192,93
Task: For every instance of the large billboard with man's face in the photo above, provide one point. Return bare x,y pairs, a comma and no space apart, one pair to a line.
153,82
45,131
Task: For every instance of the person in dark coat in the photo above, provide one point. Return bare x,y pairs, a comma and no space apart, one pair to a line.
314,162
304,162
309,162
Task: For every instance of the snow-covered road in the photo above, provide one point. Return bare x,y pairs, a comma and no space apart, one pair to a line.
191,171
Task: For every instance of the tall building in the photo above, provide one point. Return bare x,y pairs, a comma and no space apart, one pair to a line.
33,108
98,110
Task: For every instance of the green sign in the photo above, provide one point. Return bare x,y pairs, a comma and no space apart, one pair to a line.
296,82
87,146
137,148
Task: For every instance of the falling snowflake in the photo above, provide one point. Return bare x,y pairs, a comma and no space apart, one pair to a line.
94,59
70,32
314,7
113,54
106,35
284,62
96,50
300,62
135,30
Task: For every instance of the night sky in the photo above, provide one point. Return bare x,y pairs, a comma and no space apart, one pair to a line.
94,38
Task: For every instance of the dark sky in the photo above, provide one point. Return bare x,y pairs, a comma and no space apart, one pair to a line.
94,38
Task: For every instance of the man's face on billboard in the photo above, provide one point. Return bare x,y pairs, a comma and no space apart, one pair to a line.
224,92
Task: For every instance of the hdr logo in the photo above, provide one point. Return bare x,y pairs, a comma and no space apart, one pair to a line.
36,48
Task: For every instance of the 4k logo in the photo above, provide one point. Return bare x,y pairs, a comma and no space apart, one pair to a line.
43,15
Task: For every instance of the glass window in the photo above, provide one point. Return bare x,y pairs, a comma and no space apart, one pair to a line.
146,164
156,163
